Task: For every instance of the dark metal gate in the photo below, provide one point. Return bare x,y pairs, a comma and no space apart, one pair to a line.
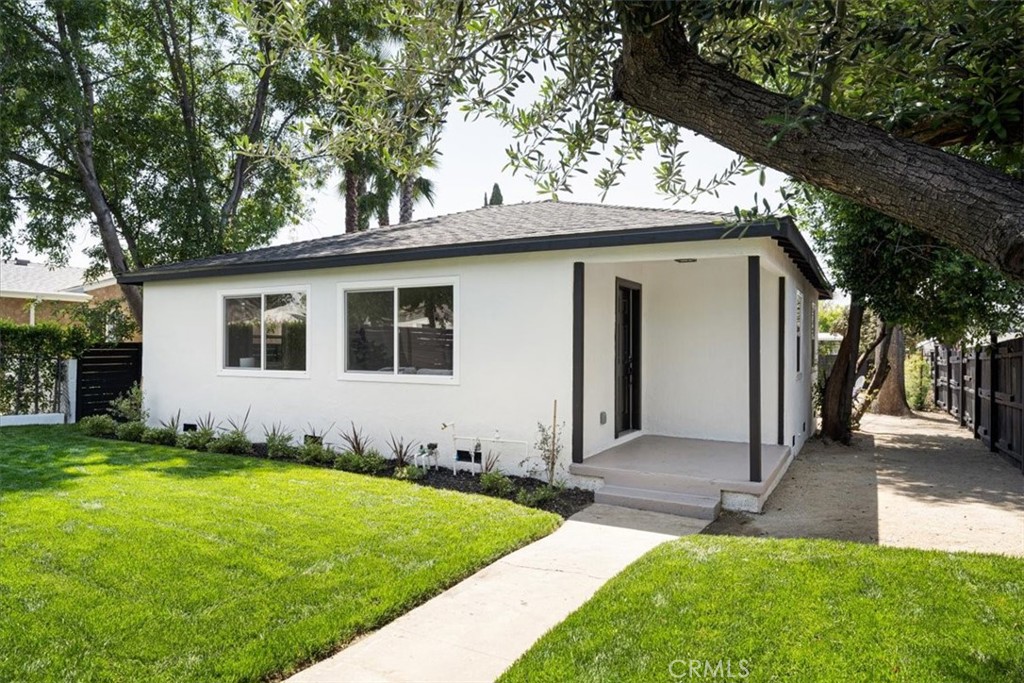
983,387
104,373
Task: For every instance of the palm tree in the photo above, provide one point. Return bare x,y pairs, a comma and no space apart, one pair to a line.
414,188
369,189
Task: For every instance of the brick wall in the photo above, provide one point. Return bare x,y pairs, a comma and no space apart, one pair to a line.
17,310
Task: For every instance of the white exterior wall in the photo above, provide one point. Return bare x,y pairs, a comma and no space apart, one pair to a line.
695,345
514,334
693,349
514,329
799,419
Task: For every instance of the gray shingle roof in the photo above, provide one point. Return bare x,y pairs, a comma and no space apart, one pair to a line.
495,229
37,278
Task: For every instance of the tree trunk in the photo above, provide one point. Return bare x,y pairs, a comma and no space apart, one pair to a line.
837,398
405,199
882,336
881,350
880,347
351,200
892,396
84,158
957,200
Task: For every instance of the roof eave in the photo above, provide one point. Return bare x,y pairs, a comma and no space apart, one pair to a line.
781,230
71,297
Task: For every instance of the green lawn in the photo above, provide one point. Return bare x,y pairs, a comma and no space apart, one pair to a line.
793,610
142,563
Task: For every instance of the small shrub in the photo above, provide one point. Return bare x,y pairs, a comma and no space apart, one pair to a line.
279,443
316,435
355,441
233,441
918,375
202,437
173,423
98,425
410,472
315,453
130,431
490,463
549,451
370,462
240,426
401,451
198,440
164,436
129,406
537,497
495,483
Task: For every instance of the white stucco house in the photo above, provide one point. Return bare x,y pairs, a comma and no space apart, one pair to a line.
678,346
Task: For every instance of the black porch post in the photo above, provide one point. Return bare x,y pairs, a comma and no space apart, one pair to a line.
993,376
976,380
754,362
781,437
963,388
577,362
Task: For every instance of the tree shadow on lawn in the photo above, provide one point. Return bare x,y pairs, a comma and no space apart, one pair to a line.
982,670
30,461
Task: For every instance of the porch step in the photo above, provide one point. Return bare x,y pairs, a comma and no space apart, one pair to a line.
683,504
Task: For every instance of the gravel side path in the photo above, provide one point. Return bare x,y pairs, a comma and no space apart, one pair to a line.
918,482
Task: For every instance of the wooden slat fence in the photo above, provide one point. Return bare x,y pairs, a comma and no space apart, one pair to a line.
104,373
983,387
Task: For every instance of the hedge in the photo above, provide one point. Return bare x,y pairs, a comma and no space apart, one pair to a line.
30,367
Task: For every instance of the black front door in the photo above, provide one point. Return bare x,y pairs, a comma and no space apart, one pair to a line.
627,356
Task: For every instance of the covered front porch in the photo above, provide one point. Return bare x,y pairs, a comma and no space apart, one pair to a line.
691,477
691,375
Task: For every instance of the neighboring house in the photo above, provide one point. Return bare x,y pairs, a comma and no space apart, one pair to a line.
34,292
678,347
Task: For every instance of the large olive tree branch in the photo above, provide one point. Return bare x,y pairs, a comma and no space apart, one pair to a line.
957,200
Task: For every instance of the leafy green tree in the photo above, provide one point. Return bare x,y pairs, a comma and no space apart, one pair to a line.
911,109
912,281
132,117
496,198
832,317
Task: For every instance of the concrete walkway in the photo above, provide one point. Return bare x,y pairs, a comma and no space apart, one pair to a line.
477,629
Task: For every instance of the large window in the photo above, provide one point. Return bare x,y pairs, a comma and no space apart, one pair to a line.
403,330
265,331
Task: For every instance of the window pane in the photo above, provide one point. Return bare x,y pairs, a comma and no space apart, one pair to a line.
242,333
284,324
425,330
370,330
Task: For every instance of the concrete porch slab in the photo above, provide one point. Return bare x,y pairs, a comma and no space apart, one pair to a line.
699,467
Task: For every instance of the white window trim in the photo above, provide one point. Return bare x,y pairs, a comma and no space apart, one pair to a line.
398,283
259,372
